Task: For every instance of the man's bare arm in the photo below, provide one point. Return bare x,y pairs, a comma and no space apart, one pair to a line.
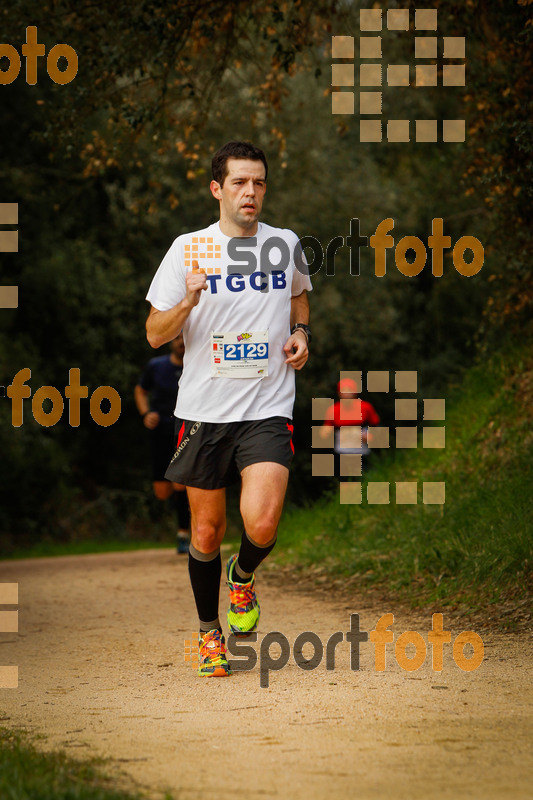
296,345
163,326
150,418
300,309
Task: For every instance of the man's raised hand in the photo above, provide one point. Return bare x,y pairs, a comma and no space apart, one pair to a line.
195,282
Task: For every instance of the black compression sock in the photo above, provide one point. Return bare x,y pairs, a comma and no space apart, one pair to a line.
250,556
204,571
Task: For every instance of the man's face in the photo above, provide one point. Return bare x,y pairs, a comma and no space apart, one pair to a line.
241,195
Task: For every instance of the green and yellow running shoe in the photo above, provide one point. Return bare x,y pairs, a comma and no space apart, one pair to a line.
212,661
244,610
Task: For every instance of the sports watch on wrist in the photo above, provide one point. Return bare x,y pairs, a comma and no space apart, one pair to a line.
306,329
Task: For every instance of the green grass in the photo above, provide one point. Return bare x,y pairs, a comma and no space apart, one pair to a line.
27,774
91,546
475,549
86,547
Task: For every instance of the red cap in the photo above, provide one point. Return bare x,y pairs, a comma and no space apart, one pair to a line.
347,386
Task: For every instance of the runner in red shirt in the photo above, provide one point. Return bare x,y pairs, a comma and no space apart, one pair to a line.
350,412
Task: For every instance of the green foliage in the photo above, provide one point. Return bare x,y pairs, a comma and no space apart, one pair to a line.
477,546
150,66
109,169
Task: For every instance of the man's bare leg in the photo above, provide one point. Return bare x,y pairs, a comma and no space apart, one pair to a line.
208,525
208,518
162,489
175,493
263,492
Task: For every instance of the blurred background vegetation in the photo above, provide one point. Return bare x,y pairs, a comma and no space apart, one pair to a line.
110,168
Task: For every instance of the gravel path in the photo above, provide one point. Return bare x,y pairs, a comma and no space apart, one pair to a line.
102,672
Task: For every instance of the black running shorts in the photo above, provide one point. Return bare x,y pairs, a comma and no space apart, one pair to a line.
211,455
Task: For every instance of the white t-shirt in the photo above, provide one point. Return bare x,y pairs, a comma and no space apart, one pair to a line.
258,298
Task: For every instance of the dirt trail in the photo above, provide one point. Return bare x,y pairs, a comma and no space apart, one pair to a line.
102,672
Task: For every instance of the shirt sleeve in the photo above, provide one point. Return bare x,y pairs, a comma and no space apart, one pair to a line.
300,276
168,285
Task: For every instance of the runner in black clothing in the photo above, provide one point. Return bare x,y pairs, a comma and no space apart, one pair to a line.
155,398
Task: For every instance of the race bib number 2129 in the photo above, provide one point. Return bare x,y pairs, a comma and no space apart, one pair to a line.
239,354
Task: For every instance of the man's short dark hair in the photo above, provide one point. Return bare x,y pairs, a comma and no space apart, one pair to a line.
219,164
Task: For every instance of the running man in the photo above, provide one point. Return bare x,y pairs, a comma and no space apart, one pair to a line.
236,292
155,398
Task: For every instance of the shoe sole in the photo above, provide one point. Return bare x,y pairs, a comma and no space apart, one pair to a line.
243,634
219,672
